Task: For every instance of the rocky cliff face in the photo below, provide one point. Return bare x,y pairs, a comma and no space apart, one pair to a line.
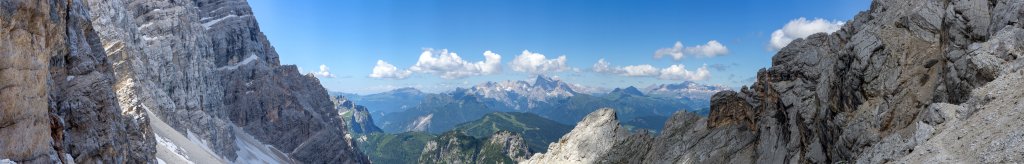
359,119
905,81
81,76
832,98
204,67
58,103
912,81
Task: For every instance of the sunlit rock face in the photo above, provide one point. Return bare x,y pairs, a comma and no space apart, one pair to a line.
57,101
79,78
587,142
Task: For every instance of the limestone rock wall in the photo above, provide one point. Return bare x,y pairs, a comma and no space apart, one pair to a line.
204,67
79,76
58,101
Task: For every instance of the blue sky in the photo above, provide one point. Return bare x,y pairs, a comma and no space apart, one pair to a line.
350,36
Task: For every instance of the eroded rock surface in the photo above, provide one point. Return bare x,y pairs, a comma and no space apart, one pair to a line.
727,108
204,67
79,76
56,87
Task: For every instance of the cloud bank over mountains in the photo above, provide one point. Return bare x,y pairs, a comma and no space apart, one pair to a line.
673,72
536,63
678,51
444,64
449,65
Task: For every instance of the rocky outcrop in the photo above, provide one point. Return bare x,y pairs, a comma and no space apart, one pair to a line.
839,97
686,138
632,149
362,122
985,129
727,108
592,138
456,147
359,119
58,104
504,144
906,81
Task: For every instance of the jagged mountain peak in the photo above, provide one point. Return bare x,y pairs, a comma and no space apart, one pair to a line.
407,90
546,82
628,91
510,91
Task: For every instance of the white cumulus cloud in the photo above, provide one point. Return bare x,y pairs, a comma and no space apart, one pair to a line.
603,67
385,70
678,51
674,72
449,65
640,70
536,63
800,28
324,72
679,72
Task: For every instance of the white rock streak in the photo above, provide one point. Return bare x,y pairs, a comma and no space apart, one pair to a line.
245,61
209,24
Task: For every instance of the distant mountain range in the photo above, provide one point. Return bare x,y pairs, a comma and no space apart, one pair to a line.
499,122
685,89
408,109
482,141
387,102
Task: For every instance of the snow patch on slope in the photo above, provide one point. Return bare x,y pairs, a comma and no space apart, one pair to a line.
175,148
170,146
421,123
209,24
251,150
247,60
